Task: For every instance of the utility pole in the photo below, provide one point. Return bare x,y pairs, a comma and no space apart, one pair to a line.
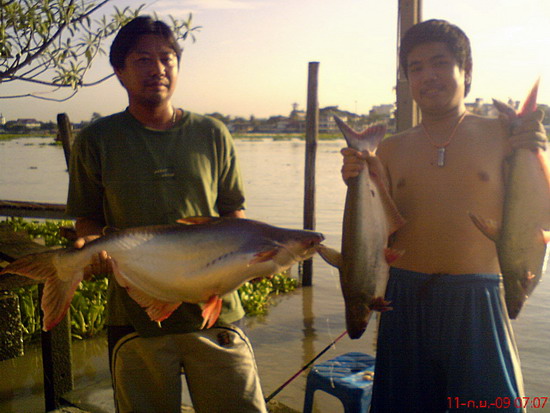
408,115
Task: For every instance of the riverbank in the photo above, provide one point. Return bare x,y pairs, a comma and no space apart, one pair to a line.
248,136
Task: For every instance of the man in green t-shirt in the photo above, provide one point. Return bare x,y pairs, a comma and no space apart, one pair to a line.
153,164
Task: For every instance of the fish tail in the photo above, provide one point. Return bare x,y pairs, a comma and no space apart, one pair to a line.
367,139
38,267
58,292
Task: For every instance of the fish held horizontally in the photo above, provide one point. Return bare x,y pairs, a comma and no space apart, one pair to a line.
370,217
163,266
522,236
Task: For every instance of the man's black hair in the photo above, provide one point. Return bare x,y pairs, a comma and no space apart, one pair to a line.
438,31
129,35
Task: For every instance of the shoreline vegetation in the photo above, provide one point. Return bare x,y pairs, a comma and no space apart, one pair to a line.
88,307
246,136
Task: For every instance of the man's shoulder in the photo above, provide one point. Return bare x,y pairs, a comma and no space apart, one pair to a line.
204,120
399,138
105,123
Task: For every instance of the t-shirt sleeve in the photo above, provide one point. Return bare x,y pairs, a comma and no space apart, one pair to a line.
230,182
85,196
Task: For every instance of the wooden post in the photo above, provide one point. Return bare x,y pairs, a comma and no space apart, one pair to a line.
65,134
312,132
56,361
408,115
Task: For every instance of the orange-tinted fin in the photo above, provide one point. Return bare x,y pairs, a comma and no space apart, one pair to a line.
392,254
196,220
58,293
38,266
527,281
543,162
156,309
56,300
380,304
530,103
394,218
211,311
488,227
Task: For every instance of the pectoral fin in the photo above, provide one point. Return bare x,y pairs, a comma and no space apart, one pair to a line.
488,227
264,256
211,311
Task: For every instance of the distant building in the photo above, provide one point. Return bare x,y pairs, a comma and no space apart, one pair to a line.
383,110
28,123
2,119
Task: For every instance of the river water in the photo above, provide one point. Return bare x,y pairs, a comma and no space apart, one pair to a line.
301,324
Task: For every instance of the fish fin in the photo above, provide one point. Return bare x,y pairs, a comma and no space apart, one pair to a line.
58,289
488,227
530,103
395,220
543,161
527,281
545,236
196,220
156,309
56,300
505,110
392,254
368,139
330,255
264,256
211,311
380,304
39,266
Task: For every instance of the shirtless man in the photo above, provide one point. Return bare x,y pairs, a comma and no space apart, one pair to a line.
448,339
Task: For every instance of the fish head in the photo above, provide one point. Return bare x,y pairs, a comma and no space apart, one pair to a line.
295,245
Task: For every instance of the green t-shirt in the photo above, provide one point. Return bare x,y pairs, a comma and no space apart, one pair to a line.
136,176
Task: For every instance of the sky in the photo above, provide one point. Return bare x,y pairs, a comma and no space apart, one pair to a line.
251,56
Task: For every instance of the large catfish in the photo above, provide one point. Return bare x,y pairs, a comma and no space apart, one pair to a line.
522,236
163,266
370,217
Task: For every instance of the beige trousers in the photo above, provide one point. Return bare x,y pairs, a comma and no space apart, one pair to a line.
219,368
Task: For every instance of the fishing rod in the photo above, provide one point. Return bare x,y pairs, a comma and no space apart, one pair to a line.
286,383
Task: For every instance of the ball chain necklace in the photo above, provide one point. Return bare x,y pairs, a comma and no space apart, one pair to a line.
442,147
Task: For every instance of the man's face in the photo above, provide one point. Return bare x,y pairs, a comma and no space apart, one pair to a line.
435,78
150,71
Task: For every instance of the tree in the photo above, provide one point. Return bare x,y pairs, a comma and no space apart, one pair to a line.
54,42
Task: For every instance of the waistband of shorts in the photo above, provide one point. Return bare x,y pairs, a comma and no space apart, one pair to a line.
401,274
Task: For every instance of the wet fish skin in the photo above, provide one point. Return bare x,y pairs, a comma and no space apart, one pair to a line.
521,238
370,216
162,266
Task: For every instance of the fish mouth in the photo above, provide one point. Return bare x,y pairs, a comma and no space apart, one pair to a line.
303,249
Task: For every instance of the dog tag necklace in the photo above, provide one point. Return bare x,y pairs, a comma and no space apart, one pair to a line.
442,147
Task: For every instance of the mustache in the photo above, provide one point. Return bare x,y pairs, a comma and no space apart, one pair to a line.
157,83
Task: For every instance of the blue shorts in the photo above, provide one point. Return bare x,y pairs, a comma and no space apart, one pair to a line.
447,345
